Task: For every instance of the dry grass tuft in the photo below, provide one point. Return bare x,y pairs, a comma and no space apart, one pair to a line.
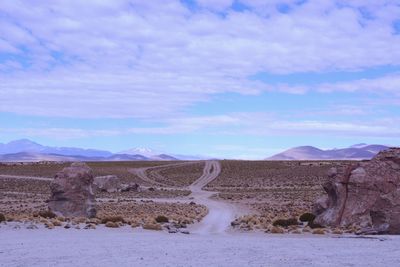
152,226
111,224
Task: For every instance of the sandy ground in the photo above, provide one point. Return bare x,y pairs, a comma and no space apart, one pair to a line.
127,247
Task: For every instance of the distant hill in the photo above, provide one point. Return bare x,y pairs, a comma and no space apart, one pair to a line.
157,155
356,152
27,150
28,146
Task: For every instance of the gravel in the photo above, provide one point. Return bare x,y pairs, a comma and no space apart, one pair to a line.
136,247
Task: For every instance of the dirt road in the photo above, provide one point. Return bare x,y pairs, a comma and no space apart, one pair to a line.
6,176
142,173
220,214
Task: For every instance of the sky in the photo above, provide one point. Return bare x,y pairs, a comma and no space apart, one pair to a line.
222,78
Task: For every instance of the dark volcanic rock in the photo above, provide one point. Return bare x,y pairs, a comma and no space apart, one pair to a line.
72,194
365,194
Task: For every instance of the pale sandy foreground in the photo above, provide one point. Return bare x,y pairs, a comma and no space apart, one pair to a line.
127,247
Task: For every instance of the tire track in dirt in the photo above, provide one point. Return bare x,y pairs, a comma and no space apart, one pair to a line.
5,176
220,214
142,173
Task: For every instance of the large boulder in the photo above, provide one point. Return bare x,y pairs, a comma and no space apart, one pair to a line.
108,183
364,194
71,192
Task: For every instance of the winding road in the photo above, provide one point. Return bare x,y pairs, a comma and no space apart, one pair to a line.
220,214
142,173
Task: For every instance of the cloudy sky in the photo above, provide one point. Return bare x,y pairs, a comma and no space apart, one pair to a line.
225,78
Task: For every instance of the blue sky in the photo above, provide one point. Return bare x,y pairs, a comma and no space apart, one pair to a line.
230,79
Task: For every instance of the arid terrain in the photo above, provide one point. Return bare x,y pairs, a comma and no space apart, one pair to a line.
229,208
235,195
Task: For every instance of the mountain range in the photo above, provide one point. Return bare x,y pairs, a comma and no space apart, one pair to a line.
27,150
355,152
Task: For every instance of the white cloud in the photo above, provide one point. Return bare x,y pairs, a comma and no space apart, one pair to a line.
248,124
216,5
154,58
385,84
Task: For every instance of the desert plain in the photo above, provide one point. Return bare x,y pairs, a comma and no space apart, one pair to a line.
183,213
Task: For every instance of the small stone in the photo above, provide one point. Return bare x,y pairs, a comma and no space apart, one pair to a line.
31,226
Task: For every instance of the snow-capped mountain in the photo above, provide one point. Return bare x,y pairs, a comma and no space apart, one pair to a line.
159,155
27,150
144,151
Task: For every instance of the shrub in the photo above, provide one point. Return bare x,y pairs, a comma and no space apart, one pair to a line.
314,225
162,219
277,230
2,217
307,217
285,222
112,224
337,232
57,222
113,219
47,214
318,231
155,227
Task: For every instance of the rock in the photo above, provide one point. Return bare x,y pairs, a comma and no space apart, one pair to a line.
108,183
31,227
364,194
72,194
129,187
172,231
89,226
185,232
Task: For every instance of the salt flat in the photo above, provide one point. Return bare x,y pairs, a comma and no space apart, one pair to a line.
134,247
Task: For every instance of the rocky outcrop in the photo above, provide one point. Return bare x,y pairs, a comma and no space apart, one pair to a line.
129,187
71,192
364,194
112,184
108,183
